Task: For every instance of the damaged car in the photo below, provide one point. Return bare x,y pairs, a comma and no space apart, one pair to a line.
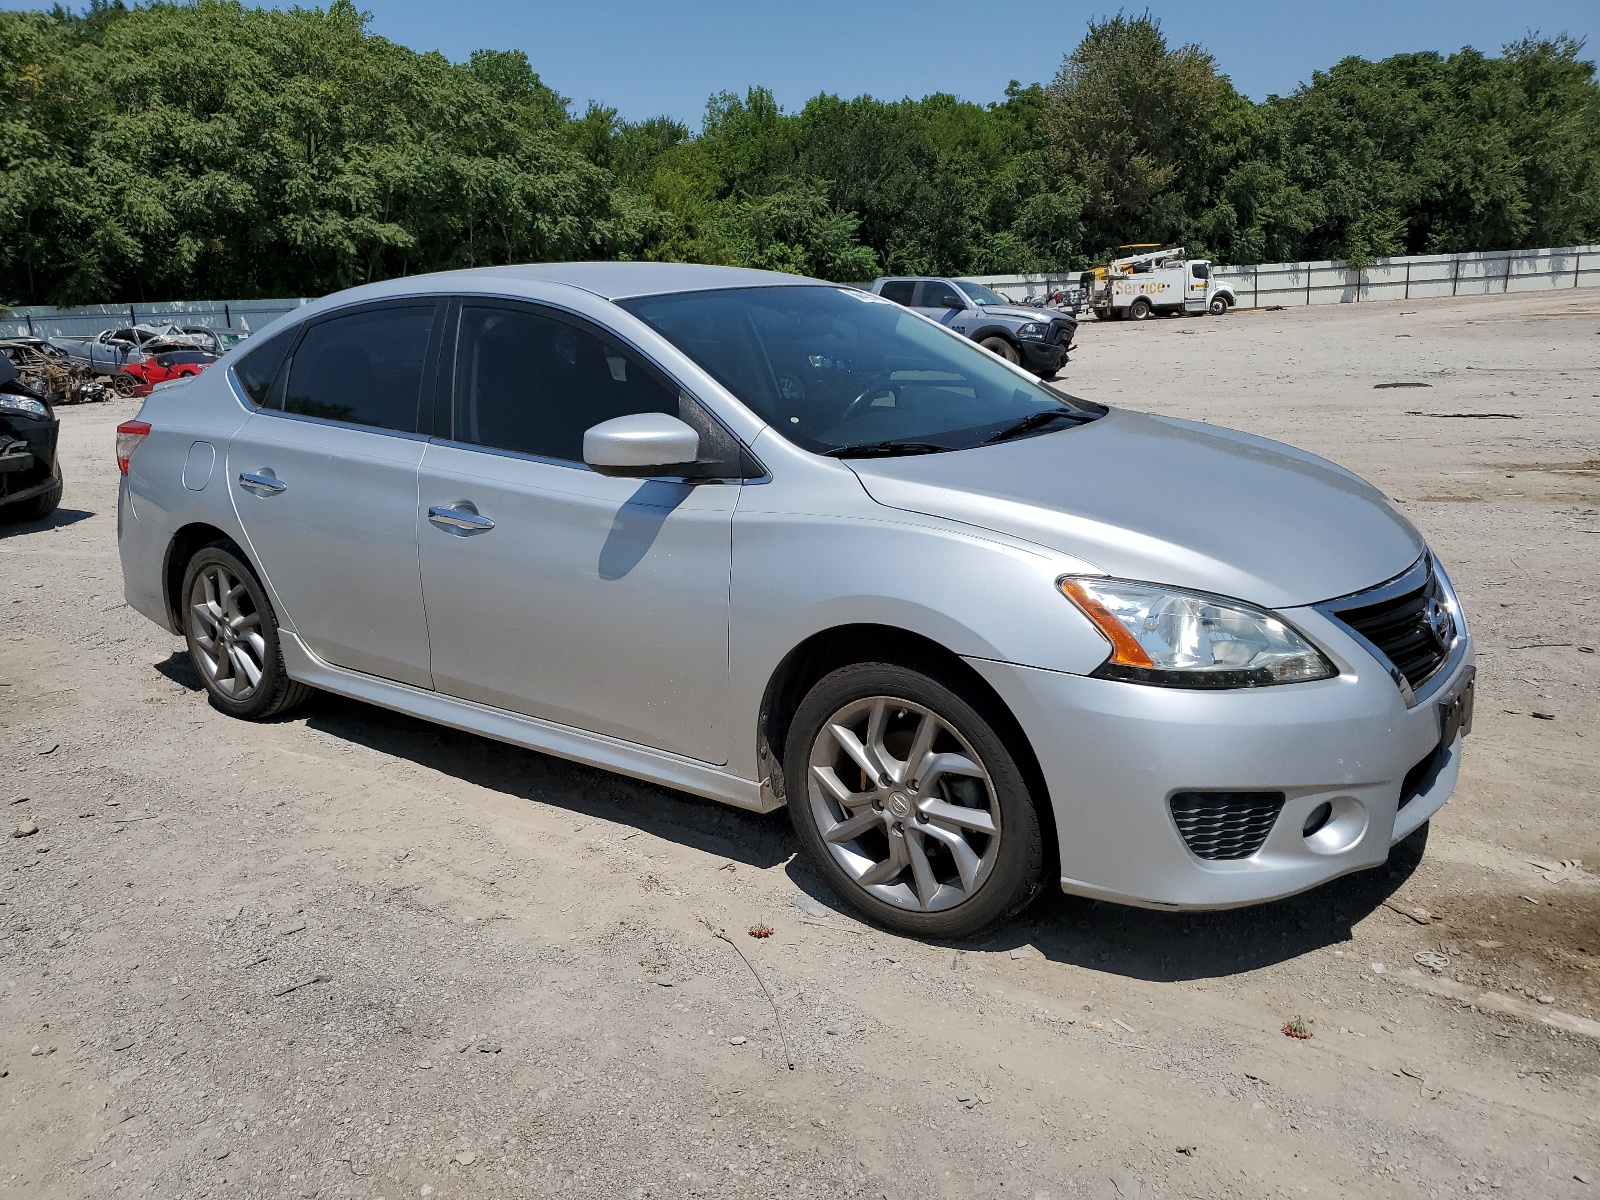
30,475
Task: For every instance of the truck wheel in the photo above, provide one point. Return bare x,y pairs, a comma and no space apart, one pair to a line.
1003,348
1139,310
1218,306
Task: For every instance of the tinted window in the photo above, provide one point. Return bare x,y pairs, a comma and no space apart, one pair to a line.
257,369
1201,270
365,368
532,383
940,295
834,369
899,290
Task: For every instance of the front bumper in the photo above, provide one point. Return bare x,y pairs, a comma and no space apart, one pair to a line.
1042,356
1113,755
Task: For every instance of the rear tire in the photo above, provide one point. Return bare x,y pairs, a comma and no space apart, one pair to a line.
1003,348
944,839
232,634
1140,309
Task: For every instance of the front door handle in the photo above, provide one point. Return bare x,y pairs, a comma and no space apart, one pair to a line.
461,518
264,483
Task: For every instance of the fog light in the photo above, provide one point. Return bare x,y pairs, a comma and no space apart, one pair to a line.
1320,815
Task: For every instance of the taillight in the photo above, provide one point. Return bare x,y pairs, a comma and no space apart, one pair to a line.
129,436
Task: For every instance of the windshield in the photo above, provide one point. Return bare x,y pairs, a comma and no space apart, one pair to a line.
834,369
979,294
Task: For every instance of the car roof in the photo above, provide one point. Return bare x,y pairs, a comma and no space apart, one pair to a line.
620,280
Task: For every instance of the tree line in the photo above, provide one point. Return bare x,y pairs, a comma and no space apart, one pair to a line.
208,149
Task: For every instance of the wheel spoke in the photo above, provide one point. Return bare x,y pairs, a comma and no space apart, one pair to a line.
927,730
208,613
935,765
921,871
853,747
889,868
956,814
246,621
246,666
967,861
835,787
848,831
875,748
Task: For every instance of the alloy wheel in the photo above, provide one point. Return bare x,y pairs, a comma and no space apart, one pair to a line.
903,804
225,628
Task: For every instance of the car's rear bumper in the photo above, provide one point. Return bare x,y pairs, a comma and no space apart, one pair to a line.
1114,754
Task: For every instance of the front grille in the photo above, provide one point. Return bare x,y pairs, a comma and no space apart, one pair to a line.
1221,825
1413,630
1060,333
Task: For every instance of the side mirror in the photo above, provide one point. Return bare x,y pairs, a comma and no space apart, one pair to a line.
641,445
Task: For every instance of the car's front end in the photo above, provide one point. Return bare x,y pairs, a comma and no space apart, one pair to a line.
29,474
1045,339
1284,672
1177,794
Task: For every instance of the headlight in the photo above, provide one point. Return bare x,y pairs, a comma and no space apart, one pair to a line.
1033,329
1174,638
25,405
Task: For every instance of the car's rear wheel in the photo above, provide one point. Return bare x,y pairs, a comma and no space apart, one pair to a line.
233,637
1003,348
911,803
1139,309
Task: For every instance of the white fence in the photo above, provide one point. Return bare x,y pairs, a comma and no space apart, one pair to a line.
1416,277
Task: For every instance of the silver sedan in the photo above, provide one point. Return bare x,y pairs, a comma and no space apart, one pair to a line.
781,543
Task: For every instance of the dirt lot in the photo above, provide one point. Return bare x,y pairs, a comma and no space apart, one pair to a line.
512,993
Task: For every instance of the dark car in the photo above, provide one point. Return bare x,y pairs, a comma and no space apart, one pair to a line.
1035,338
30,476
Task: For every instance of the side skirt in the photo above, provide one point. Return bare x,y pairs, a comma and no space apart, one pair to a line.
547,737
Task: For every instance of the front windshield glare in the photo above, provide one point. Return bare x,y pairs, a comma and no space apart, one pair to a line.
981,295
836,370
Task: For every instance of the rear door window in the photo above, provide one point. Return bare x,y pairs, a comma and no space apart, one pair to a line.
364,368
532,383
899,290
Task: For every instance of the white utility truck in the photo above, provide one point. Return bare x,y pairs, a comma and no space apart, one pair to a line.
1164,280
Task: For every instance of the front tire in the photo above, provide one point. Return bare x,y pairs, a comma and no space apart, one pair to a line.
233,637
910,802
1003,348
39,507
1218,306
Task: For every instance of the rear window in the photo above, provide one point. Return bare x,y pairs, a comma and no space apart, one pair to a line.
257,369
362,369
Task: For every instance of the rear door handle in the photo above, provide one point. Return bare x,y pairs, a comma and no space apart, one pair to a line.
461,518
264,483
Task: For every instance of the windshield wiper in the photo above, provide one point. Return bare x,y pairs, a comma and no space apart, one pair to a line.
1039,420
884,449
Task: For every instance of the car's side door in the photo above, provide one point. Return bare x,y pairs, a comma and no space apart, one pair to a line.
324,480
941,301
554,591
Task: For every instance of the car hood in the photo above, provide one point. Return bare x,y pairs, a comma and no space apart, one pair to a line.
1169,501
1019,313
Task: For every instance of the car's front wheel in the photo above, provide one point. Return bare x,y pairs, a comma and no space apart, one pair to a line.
1003,348
233,637
911,803
1219,306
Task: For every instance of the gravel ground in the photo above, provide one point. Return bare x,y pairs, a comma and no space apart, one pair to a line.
348,954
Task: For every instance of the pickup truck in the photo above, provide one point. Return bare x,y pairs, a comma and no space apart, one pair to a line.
1035,338
113,351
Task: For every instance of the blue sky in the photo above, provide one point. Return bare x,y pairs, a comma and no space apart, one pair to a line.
648,57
